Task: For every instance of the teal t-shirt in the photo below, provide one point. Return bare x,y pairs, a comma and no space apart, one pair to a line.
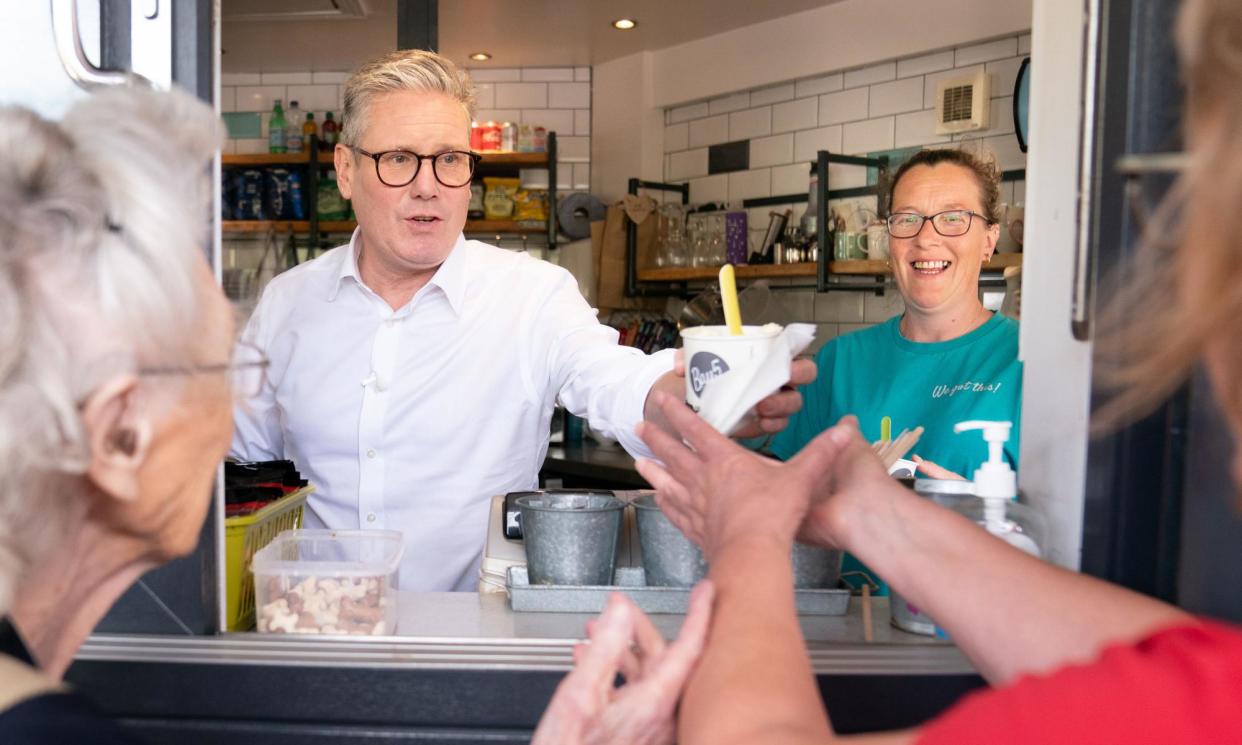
877,372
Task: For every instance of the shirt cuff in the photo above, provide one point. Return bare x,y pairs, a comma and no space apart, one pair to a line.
644,378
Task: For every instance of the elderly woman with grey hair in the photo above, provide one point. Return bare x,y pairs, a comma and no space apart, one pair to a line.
115,403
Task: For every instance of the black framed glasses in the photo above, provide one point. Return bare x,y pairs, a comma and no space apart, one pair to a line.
950,223
396,168
248,369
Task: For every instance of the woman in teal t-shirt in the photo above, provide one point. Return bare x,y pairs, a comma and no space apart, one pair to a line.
947,359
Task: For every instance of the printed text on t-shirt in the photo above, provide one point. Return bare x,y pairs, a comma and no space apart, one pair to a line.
969,386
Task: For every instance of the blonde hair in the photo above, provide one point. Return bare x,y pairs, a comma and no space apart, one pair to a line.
405,70
100,219
1183,299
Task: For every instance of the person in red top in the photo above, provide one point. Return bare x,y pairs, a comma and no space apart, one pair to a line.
1070,658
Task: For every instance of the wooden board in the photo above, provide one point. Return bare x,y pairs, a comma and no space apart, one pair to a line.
807,269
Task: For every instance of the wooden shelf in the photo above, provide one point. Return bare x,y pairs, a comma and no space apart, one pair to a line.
477,227
285,226
514,160
272,159
771,271
521,160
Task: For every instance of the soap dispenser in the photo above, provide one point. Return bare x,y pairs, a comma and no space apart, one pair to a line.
996,486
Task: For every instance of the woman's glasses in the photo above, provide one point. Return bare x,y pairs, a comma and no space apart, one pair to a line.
950,223
248,370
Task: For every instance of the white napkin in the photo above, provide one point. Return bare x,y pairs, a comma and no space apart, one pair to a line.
730,397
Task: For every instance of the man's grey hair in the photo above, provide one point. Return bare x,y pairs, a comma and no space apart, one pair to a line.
100,219
405,70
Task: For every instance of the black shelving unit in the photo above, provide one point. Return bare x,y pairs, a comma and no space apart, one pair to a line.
632,288
499,167
315,163
825,279
822,159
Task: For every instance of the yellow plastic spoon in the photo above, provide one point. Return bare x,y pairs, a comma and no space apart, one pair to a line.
728,294
886,428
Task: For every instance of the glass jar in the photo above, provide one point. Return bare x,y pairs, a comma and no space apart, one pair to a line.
717,254
672,231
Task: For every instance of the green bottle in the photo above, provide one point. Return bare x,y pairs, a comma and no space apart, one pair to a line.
276,129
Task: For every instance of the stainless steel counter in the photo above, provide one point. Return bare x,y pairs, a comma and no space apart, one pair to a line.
464,669
472,631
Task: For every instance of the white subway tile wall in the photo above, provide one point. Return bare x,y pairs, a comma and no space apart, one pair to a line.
816,86
793,115
771,151
934,62
676,137
873,74
810,141
558,98
484,96
846,106
774,94
521,95
286,78
854,112
709,188
313,97
751,184
547,74
725,104
744,125
711,131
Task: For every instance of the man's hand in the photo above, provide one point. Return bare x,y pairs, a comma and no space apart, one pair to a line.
588,710
769,416
716,492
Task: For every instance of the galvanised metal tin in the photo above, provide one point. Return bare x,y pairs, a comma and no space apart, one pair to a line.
571,539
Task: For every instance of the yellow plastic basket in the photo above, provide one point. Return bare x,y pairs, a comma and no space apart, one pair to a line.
245,535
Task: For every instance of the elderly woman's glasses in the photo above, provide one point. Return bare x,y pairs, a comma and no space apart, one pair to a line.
453,168
248,370
950,223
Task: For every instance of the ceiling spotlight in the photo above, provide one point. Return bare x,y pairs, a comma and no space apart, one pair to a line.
624,24
480,56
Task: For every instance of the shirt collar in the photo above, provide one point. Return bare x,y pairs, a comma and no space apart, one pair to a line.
348,267
450,277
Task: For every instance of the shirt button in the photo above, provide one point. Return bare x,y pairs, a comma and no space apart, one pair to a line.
390,322
370,517
370,453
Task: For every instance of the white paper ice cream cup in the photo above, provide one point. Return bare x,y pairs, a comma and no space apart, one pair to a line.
711,353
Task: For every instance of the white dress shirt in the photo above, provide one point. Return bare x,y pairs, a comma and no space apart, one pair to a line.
413,419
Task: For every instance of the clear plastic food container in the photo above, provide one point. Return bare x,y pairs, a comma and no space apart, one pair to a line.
328,582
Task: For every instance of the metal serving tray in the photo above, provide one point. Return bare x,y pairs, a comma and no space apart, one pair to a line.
523,596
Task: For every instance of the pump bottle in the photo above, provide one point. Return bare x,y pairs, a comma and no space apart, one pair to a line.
996,485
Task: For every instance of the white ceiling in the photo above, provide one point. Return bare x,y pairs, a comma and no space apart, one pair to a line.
579,32
518,33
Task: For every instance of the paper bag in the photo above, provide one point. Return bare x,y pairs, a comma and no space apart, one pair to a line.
611,270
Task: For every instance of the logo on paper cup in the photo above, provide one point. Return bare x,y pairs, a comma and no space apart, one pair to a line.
705,367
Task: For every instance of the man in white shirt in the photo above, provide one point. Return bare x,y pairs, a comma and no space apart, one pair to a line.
413,372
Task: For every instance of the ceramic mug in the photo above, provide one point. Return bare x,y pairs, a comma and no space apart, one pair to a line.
850,246
1011,226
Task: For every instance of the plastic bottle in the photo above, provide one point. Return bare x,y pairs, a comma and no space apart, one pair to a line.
276,129
309,129
996,485
293,134
330,132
